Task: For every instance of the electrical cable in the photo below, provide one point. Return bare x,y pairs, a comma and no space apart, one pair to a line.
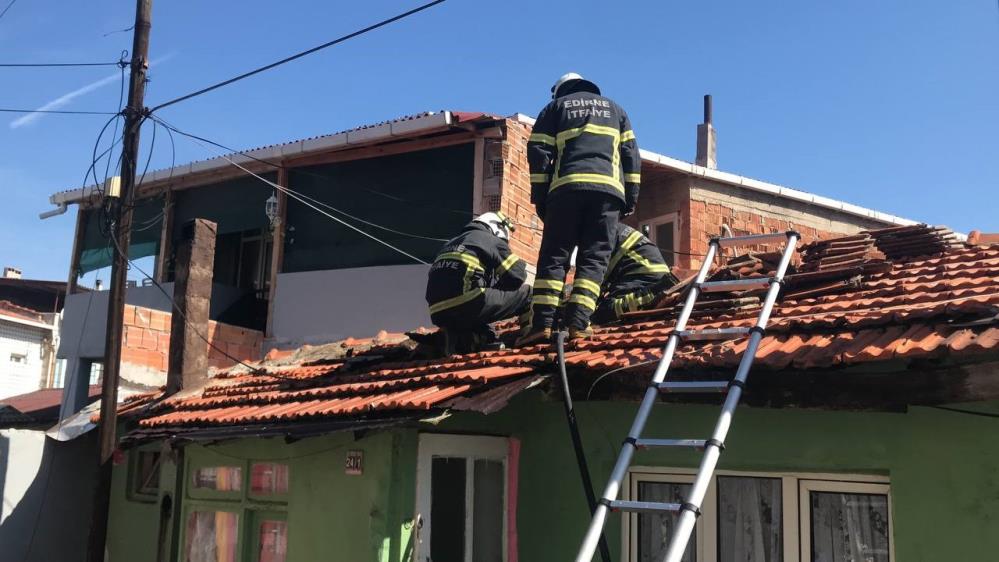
296,196
56,111
619,369
966,412
56,64
298,55
4,12
120,107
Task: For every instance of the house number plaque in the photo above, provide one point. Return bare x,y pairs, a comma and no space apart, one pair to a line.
354,463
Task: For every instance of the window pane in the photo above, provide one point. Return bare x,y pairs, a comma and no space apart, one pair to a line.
447,510
655,530
218,478
849,527
147,473
749,519
664,239
211,536
487,517
273,540
268,478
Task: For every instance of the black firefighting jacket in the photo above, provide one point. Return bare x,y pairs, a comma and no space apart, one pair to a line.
474,260
635,256
583,141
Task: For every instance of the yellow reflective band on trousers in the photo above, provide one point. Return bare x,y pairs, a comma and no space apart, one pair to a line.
549,284
584,301
509,262
540,178
545,300
633,178
468,259
613,180
456,301
543,139
586,285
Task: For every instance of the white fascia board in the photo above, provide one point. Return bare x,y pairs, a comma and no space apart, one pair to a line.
757,185
432,121
26,322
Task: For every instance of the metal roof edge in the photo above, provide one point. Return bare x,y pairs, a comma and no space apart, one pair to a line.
346,139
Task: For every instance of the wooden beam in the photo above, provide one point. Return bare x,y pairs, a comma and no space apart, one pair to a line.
74,258
166,239
277,249
477,165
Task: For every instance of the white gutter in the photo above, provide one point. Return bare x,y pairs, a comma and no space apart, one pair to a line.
26,322
339,141
757,185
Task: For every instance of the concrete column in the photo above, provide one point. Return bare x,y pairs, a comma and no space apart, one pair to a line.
192,293
707,150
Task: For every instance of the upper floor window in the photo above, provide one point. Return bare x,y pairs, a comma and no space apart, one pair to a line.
664,232
760,517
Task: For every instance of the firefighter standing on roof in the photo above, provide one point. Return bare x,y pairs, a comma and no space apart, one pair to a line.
476,280
585,172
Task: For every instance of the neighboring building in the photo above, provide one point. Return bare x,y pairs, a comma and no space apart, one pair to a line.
860,438
307,278
27,349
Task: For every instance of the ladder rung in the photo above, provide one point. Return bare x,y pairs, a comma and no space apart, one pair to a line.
694,387
712,334
752,240
644,507
735,285
693,443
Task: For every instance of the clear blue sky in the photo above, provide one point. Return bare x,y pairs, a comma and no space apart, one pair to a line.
892,105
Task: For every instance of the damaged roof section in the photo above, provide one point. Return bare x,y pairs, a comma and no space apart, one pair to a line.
938,303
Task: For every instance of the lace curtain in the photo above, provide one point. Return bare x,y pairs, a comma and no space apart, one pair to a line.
849,527
749,520
654,530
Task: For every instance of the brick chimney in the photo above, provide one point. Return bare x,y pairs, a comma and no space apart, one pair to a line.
707,152
11,272
192,292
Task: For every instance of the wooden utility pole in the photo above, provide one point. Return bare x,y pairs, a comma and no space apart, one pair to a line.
121,214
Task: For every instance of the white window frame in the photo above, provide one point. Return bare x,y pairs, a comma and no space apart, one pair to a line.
805,487
794,494
471,448
660,220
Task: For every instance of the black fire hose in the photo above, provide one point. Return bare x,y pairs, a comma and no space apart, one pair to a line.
577,441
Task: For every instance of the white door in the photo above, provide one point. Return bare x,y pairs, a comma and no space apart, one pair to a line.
461,498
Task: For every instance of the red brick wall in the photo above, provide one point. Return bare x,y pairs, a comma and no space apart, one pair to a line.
146,342
515,193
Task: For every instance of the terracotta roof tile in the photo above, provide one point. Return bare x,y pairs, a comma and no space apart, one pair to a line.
912,307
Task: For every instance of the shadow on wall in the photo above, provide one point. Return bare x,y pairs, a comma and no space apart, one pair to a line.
50,521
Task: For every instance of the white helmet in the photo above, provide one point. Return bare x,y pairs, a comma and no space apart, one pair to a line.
572,77
498,224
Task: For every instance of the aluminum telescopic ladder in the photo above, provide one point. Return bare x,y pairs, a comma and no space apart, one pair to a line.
690,509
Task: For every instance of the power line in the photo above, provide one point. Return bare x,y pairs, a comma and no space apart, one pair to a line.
4,12
57,111
59,64
297,197
298,55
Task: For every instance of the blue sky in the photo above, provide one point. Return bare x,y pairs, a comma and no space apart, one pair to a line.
889,104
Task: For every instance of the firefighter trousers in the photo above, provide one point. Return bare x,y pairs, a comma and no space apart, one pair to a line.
476,315
634,294
586,220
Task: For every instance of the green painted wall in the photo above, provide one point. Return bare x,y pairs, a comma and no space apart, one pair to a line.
944,476
331,515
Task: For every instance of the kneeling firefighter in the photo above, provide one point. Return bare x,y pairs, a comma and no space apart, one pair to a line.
475,280
636,275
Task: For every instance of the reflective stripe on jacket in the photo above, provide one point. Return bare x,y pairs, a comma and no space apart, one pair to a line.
634,255
583,141
468,264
